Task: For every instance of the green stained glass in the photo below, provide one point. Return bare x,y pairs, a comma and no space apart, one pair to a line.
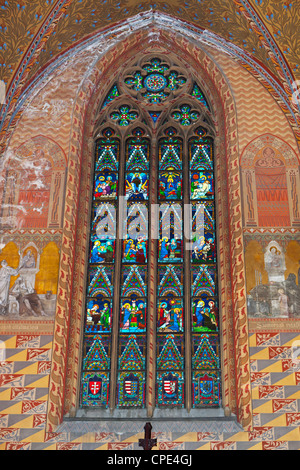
155,81
124,116
112,94
198,94
185,116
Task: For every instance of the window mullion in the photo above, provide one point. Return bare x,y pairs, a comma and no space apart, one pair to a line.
117,277
152,281
187,277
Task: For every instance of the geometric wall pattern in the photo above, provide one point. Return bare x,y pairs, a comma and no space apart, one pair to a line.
275,380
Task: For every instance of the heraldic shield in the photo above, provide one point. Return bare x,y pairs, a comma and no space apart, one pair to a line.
131,389
95,387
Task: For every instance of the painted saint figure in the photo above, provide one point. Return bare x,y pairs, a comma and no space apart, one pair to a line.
5,274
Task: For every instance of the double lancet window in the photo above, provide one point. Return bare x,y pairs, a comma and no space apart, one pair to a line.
151,332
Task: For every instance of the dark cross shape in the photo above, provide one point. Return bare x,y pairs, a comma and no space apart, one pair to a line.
147,443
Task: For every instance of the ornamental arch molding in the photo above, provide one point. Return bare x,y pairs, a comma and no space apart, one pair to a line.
66,362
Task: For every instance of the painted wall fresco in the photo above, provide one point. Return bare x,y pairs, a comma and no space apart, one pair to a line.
271,187
273,275
32,192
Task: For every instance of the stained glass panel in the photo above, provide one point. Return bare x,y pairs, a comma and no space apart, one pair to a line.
204,303
117,314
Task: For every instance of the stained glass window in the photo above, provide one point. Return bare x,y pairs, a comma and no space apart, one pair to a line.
152,282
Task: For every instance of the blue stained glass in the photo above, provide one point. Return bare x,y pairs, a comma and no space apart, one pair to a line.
154,81
100,281
95,388
135,250
134,281
170,389
203,280
131,389
154,115
170,352
206,388
170,281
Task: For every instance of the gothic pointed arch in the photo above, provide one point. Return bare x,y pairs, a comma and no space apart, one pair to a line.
233,330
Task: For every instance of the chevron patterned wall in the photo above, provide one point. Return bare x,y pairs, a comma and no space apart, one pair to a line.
275,376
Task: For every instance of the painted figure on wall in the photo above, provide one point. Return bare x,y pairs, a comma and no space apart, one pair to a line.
276,292
6,272
28,282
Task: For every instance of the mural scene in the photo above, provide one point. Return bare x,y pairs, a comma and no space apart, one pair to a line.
271,209
32,191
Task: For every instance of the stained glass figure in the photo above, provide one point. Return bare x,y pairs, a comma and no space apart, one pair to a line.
205,352
136,186
137,156
106,186
170,185
133,315
203,281
202,186
204,315
203,248
135,225
170,315
98,315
